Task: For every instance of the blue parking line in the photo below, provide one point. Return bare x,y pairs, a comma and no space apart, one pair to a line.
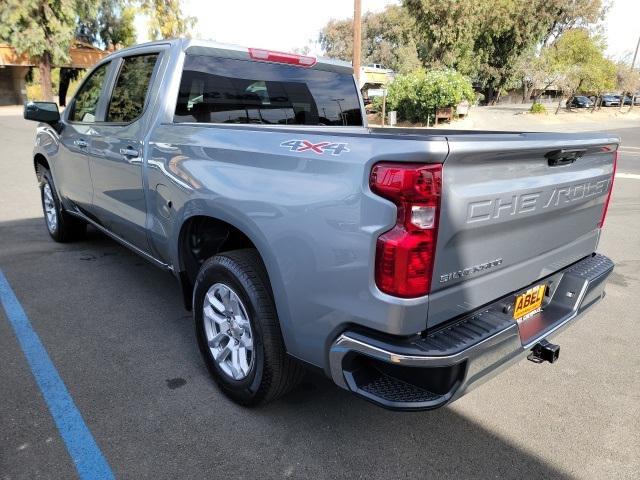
85,453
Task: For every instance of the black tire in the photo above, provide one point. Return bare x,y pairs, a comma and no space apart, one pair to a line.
273,372
67,228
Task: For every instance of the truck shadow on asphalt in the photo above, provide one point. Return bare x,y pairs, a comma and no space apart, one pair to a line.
116,330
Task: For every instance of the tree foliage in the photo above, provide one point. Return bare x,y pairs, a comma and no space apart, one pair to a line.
387,39
166,19
108,23
39,27
417,95
46,29
486,39
43,29
491,42
578,58
576,64
564,15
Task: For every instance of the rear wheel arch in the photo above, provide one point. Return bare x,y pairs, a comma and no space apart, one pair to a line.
200,238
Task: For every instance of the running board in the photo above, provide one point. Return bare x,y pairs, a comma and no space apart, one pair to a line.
122,241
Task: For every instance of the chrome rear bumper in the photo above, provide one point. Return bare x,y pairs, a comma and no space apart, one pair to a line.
432,370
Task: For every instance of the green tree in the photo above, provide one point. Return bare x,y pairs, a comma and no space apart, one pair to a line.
108,23
487,39
580,65
537,67
166,19
42,29
387,39
447,30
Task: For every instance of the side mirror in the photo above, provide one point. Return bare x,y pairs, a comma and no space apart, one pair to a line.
45,112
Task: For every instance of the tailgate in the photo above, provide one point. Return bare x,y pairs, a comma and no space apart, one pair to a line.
515,208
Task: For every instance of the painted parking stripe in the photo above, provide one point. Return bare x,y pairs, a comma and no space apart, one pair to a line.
633,176
85,453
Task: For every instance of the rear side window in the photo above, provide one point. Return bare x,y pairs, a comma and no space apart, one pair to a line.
130,90
221,90
86,100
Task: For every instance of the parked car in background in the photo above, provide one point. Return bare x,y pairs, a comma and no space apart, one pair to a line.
610,101
579,101
627,100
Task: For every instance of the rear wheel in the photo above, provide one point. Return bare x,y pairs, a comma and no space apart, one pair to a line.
238,331
61,226
228,331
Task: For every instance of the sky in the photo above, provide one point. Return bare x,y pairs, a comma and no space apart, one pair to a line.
287,24
622,29
274,24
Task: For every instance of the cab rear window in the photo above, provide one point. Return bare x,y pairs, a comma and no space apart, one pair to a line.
221,90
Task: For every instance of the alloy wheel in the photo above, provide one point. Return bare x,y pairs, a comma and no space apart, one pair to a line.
51,215
228,331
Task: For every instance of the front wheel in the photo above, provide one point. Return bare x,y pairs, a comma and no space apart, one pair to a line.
61,226
238,331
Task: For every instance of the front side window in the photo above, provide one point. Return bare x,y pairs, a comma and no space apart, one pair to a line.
86,100
221,90
130,90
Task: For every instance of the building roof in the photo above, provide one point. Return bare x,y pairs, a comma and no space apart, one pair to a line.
82,55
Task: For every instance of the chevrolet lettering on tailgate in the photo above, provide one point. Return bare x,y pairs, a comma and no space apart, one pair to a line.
483,210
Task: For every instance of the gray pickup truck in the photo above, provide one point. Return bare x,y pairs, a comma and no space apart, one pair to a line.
408,265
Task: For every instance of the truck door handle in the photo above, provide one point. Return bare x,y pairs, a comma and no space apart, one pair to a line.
564,157
80,143
131,155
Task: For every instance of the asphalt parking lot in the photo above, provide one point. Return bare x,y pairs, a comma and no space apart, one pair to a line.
118,336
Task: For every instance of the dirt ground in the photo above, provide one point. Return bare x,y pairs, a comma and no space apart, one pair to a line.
517,117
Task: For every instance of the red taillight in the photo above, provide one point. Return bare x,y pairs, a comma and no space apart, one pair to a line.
405,254
606,203
282,57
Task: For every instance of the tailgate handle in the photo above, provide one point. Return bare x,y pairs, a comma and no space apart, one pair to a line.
564,157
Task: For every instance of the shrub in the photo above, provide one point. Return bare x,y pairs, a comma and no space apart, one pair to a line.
538,108
416,96
376,104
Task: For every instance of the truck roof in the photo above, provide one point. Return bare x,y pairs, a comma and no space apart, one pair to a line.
207,47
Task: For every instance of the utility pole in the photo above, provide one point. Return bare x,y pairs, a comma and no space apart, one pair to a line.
633,65
357,38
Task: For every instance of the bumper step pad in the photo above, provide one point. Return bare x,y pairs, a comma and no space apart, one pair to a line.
394,390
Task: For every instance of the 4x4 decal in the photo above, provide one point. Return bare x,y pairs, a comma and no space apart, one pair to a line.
319,148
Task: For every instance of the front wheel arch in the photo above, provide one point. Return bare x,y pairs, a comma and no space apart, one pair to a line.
40,163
